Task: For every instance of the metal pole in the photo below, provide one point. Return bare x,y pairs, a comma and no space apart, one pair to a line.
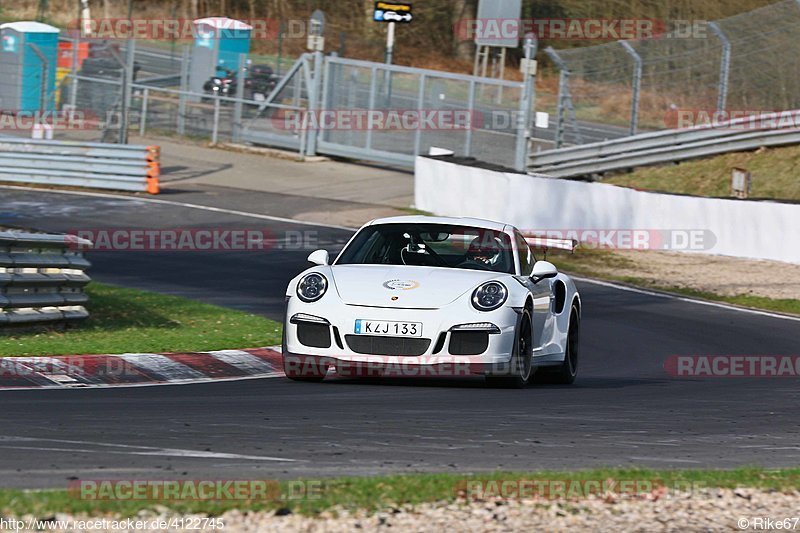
371,106
280,48
420,110
143,117
215,129
502,71
126,91
472,118
523,120
390,43
184,90
241,73
637,85
563,80
314,100
73,92
724,66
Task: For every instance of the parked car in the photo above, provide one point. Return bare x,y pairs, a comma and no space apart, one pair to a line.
260,81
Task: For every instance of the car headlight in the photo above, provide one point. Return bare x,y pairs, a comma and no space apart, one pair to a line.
311,287
489,296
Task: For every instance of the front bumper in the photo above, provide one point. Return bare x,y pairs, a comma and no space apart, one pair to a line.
338,321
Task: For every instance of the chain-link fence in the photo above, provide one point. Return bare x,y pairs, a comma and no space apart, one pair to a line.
746,64
160,102
474,117
319,104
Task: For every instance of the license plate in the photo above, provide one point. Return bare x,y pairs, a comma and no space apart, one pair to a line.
388,328
259,97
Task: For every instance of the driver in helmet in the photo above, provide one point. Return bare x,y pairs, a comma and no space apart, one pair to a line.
482,252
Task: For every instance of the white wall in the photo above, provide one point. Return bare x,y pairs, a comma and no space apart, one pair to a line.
759,230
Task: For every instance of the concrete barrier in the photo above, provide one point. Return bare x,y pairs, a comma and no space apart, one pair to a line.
539,205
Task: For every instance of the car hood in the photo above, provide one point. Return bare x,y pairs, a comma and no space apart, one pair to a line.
408,287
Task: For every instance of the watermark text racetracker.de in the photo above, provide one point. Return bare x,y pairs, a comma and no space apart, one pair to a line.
185,490
184,29
66,120
733,366
628,239
732,119
434,119
571,488
190,240
488,30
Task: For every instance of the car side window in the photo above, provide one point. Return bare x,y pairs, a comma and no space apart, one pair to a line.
526,258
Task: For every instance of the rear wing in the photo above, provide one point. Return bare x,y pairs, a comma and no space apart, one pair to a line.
545,243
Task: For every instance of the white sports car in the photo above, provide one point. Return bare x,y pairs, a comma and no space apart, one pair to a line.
433,296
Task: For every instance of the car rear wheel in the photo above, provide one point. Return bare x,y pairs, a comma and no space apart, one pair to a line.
567,371
521,359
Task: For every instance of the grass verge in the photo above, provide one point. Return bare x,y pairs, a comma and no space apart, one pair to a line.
600,263
376,493
128,320
774,175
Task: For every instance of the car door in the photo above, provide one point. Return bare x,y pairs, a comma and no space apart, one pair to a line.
540,291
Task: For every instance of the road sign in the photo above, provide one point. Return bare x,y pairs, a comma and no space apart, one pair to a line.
316,29
493,13
317,26
392,12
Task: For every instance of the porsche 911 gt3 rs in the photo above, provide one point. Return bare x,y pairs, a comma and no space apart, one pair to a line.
423,293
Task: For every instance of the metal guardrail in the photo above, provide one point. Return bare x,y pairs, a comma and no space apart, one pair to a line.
80,164
42,277
666,146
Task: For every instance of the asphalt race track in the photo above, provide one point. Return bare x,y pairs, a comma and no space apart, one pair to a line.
623,410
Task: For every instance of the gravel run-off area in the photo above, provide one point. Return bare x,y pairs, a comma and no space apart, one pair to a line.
702,510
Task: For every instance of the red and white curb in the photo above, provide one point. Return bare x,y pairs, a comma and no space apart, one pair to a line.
137,369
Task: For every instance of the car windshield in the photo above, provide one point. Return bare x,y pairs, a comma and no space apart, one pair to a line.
432,245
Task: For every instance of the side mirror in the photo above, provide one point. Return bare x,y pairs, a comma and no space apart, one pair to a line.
319,257
543,270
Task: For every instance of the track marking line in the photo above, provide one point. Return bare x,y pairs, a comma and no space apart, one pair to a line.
128,449
685,299
59,386
664,460
246,214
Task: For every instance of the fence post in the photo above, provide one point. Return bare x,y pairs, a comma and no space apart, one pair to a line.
472,118
241,74
314,100
184,89
523,120
637,85
143,113
371,105
724,66
73,93
563,80
420,110
126,91
215,127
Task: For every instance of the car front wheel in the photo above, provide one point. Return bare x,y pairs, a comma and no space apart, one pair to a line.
520,368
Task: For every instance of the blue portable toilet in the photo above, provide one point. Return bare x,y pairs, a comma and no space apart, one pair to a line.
21,68
218,42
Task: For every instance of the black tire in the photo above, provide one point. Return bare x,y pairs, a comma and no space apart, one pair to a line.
566,372
521,359
310,372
